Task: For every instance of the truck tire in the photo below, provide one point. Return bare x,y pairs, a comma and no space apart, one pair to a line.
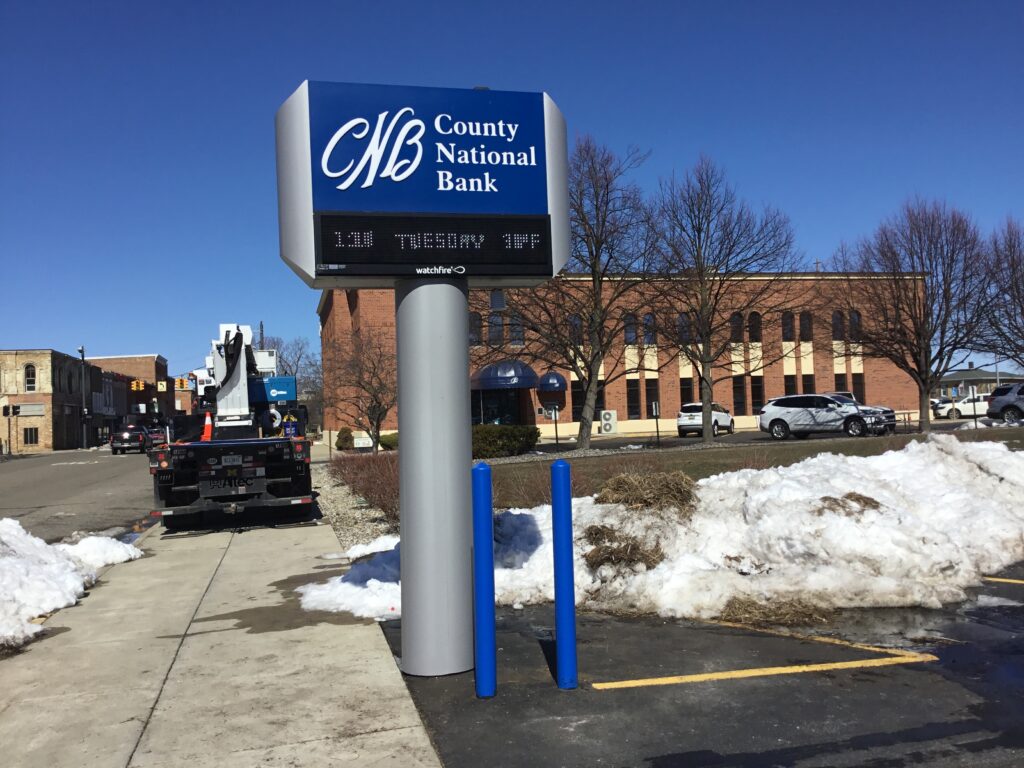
778,429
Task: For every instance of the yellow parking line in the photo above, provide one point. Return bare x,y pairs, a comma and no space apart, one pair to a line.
892,657
1003,581
739,674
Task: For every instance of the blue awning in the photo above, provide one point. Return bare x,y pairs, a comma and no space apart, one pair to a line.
509,374
552,382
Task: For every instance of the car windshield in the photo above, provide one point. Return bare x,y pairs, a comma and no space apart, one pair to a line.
1003,390
693,408
844,399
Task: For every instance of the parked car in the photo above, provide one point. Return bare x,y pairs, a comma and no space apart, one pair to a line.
1007,403
804,415
131,437
690,419
966,406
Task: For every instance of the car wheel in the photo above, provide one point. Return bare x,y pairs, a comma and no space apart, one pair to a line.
714,429
1012,415
954,414
732,427
778,429
855,428
682,433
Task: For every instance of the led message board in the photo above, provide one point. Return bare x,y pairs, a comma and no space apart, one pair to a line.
381,183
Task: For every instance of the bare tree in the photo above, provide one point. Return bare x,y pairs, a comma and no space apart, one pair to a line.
362,380
292,355
1003,329
576,321
919,292
719,263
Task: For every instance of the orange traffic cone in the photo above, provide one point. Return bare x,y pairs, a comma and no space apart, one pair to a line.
207,429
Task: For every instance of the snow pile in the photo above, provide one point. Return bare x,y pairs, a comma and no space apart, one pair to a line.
37,578
984,424
908,528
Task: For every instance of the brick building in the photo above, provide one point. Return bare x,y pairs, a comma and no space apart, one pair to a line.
158,389
770,354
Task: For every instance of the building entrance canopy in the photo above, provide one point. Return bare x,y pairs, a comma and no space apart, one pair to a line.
508,374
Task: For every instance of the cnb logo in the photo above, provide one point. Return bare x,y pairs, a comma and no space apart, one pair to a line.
397,167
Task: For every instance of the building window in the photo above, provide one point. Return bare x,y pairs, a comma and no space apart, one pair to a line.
577,394
633,398
576,330
475,329
854,325
30,378
686,390
30,436
841,382
739,395
806,326
684,328
788,327
629,329
858,389
495,329
736,328
497,299
515,331
789,383
808,382
651,394
754,327
650,332
756,393
838,326
71,382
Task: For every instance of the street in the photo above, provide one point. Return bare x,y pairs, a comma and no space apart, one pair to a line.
53,495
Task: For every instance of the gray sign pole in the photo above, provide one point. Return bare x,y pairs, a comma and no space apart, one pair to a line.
435,452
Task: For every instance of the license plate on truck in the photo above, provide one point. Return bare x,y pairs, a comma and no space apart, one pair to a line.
232,486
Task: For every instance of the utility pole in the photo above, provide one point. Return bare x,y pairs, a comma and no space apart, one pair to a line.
261,334
85,427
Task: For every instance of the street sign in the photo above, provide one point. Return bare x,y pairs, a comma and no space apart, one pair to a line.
379,183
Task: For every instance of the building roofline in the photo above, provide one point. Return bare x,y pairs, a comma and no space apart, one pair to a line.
123,357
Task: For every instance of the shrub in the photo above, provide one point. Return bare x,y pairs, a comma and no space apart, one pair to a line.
656,490
344,441
374,478
389,442
491,441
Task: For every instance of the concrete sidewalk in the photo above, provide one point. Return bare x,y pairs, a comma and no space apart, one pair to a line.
200,655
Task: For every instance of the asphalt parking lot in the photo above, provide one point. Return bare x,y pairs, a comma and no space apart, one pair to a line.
892,687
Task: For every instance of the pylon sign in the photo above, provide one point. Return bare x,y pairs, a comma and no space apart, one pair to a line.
380,183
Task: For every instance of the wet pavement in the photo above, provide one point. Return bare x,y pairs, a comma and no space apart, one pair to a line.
892,687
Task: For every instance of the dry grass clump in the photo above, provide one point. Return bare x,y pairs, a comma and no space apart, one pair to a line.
784,613
851,504
611,547
374,478
653,490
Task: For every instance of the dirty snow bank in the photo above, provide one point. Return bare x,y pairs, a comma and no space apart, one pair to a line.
913,527
36,578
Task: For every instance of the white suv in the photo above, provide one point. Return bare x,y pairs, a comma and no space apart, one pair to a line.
690,419
803,415
968,406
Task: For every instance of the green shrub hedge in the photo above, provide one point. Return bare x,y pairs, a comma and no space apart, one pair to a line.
344,441
491,441
389,442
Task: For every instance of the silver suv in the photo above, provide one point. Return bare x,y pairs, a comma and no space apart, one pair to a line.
1007,403
803,415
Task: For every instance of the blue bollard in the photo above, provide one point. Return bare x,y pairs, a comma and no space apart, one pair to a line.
565,592
485,645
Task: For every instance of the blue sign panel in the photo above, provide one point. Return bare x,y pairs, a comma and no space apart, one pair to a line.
426,150
380,183
272,390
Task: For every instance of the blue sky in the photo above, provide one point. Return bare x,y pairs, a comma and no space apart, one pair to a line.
137,182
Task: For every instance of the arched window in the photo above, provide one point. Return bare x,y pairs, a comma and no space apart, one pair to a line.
736,328
497,299
838,326
30,378
855,325
515,330
576,329
495,328
475,329
629,329
806,326
685,328
650,330
754,327
788,327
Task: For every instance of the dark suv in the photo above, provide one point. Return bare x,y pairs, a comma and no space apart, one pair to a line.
1007,403
131,437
